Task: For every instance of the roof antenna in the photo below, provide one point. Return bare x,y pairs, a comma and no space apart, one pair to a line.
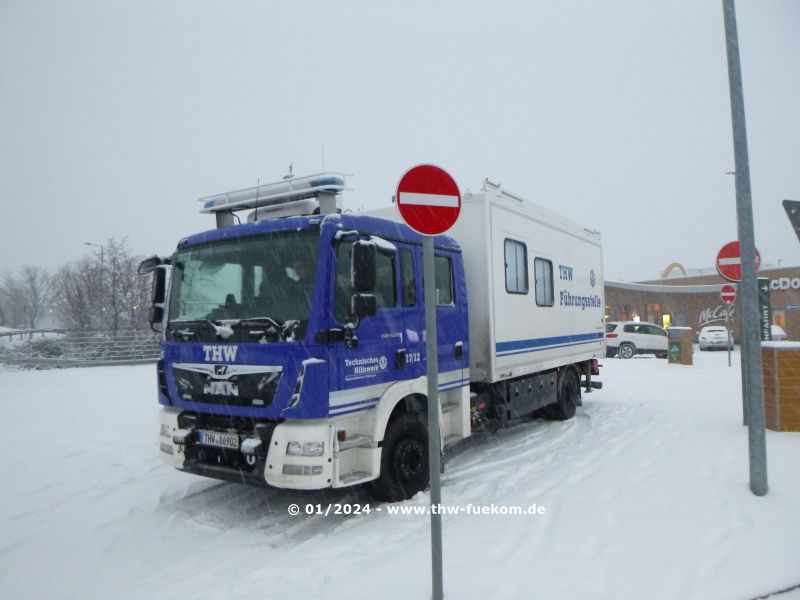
323,158
258,185
290,175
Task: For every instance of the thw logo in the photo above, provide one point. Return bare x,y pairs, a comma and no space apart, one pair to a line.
220,353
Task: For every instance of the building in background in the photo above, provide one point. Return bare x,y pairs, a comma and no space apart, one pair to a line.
693,300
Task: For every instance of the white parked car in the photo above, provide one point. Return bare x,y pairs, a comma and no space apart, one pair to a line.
778,334
628,338
715,336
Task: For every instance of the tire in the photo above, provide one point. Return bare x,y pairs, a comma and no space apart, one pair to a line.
404,460
569,396
626,350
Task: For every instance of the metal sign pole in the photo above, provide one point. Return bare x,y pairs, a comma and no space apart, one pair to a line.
728,332
748,289
434,439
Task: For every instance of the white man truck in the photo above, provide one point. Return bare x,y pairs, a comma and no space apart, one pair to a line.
293,345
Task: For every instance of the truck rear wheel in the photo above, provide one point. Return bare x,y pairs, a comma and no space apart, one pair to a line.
568,398
404,460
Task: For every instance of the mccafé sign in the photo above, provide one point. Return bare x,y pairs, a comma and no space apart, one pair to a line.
710,315
785,283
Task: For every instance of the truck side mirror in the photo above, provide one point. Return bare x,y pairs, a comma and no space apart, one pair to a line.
158,296
363,305
149,264
156,315
363,266
159,289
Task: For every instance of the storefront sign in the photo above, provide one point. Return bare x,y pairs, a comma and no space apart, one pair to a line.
712,315
785,283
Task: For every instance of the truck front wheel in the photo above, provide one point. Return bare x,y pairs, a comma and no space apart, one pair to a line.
404,460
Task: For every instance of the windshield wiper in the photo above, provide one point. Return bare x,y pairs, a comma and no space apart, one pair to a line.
185,329
260,327
276,330
222,328
268,327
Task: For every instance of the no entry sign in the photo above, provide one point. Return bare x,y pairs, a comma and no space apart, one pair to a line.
729,261
428,199
429,202
728,294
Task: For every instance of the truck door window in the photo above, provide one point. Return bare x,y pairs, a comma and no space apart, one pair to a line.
516,255
443,270
385,289
543,272
408,283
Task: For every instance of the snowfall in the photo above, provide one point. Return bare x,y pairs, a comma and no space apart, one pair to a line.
645,495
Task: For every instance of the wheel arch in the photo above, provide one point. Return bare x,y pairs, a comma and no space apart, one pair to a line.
405,397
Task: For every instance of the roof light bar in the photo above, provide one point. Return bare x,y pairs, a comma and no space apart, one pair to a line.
273,194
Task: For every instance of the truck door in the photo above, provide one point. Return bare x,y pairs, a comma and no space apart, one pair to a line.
451,317
361,369
413,348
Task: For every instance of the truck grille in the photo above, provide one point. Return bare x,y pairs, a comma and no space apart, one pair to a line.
231,385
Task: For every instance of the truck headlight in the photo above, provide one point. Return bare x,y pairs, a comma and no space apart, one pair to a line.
305,448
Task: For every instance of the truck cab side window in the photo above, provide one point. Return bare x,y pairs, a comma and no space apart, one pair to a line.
385,281
408,282
543,272
443,276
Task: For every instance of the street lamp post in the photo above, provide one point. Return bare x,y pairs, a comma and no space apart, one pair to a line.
101,254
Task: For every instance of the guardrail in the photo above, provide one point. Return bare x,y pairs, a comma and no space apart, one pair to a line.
42,348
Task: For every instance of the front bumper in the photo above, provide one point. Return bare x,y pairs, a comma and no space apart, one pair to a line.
261,457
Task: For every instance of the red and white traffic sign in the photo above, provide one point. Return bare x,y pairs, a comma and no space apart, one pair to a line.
729,261
428,199
728,294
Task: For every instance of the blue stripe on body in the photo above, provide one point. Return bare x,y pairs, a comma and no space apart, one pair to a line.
362,405
354,410
538,344
453,385
357,402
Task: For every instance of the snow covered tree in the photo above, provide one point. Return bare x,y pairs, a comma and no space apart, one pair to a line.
102,291
25,297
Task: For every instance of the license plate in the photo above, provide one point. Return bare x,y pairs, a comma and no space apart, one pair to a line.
220,440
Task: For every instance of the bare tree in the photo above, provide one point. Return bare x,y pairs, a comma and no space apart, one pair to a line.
36,292
76,291
102,291
11,300
25,297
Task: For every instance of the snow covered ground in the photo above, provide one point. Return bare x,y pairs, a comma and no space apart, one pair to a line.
645,494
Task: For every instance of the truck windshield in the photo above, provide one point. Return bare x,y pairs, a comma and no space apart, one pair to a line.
261,277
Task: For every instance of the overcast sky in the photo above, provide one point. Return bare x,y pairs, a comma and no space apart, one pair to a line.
116,116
